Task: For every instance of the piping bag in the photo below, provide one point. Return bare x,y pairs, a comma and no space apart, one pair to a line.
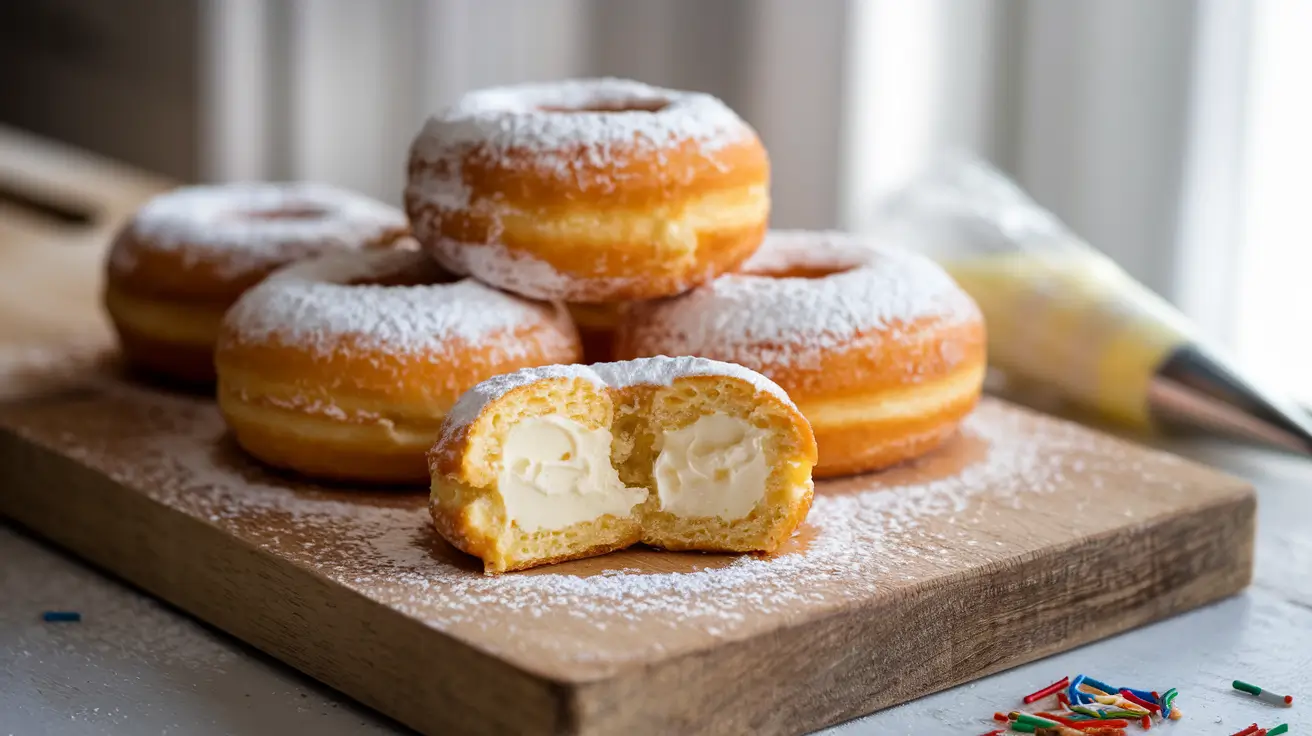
1066,326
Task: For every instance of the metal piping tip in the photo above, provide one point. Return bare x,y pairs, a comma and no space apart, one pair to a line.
1192,389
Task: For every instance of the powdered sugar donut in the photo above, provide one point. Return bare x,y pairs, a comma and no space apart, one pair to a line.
589,190
343,366
188,254
879,347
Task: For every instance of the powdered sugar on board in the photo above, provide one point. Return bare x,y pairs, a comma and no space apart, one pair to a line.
245,227
758,318
1013,483
320,304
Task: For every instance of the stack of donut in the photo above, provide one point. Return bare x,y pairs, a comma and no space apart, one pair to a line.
341,331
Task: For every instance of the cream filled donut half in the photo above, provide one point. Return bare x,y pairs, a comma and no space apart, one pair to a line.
594,190
187,255
343,367
557,463
879,347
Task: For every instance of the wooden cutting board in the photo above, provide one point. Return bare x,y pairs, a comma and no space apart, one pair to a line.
1026,536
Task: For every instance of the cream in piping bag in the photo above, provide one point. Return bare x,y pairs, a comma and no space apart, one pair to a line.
1065,318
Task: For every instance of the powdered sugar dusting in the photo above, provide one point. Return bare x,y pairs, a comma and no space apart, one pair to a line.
759,319
1012,483
518,271
550,131
656,371
319,304
245,227
552,122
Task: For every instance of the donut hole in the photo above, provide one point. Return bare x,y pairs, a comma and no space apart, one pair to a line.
640,105
289,212
429,274
803,271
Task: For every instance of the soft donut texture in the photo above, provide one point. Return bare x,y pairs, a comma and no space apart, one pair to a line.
187,255
879,347
589,190
557,463
343,367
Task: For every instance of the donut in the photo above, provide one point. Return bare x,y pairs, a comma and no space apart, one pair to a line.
342,367
187,255
879,347
589,190
557,463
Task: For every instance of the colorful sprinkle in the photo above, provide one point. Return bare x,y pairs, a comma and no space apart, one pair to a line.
1168,704
1121,703
1030,718
1084,722
1107,689
1265,696
1276,731
1073,692
61,616
1247,731
1130,696
1049,690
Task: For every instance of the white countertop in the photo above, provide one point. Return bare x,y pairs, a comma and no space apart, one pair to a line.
136,666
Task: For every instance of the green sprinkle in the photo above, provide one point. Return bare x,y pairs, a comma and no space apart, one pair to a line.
1036,720
1250,689
1023,727
1278,730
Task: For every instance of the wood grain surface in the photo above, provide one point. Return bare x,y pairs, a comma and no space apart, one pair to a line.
1024,537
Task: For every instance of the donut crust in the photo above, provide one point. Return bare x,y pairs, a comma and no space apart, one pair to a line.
878,391
620,221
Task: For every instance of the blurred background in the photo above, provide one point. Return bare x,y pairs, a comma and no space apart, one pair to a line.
1171,134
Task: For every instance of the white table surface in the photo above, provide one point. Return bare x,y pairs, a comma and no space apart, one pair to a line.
136,666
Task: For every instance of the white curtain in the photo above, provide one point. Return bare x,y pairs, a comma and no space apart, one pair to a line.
1124,117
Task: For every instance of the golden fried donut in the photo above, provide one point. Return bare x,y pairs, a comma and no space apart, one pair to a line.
557,463
879,347
589,190
187,255
342,367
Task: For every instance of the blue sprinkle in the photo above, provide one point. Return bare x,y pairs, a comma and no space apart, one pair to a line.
61,616
1101,685
1075,695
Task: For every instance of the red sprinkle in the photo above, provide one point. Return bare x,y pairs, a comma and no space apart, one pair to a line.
1110,723
1049,690
1001,717
997,732
1063,700
1152,707
1247,731
1146,722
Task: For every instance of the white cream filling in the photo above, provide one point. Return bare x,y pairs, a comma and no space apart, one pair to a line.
556,473
714,467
